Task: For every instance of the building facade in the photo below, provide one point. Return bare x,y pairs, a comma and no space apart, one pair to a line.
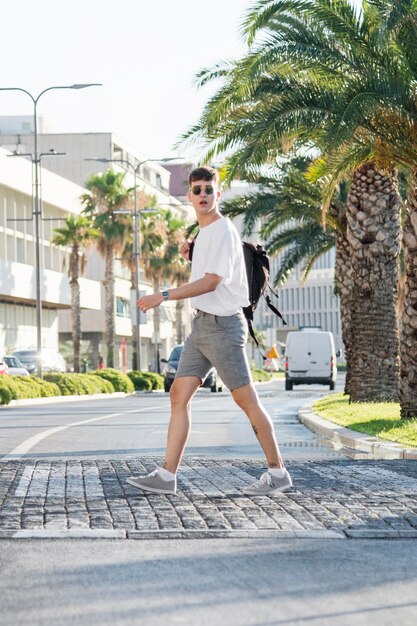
16,133
60,197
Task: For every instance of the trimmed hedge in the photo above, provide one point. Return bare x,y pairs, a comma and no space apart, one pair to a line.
140,382
69,384
21,387
156,379
120,381
146,381
79,384
48,388
6,394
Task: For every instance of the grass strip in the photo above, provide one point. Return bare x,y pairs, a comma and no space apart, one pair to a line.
380,419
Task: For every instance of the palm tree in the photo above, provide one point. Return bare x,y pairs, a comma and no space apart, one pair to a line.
106,194
144,202
289,208
283,96
178,270
381,111
162,233
77,234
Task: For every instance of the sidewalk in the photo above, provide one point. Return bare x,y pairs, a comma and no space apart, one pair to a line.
330,499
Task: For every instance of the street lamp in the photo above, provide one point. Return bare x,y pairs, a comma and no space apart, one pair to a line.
37,209
135,168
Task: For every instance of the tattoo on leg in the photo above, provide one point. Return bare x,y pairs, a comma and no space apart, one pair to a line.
272,465
255,430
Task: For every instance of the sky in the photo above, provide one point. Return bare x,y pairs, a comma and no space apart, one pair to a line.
145,52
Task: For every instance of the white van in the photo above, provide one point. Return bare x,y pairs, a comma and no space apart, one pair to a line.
310,358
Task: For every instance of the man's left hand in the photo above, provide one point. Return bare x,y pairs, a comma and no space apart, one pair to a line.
149,302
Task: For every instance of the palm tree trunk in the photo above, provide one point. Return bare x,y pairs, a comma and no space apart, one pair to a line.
343,285
408,372
75,307
109,304
374,234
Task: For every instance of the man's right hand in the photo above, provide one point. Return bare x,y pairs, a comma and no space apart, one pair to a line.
184,250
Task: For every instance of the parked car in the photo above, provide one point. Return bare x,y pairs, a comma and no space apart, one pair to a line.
310,358
51,361
15,367
212,379
3,367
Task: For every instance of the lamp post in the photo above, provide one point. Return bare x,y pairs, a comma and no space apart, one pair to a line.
37,209
135,168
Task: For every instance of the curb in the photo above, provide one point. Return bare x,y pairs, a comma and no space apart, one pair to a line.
52,399
342,436
148,535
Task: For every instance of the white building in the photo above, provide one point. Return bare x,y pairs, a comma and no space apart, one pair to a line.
16,134
17,256
153,178
17,275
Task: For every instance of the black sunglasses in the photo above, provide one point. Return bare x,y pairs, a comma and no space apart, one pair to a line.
196,189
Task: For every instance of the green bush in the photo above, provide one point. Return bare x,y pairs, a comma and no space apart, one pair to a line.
79,384
69,384
156,380
53,384
95,384
140,382
260,375
21,387
27,387
120,381
47,388
6,394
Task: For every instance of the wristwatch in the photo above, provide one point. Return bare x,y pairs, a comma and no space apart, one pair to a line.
165,294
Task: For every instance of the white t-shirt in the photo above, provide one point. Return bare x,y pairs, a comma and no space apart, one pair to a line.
218,250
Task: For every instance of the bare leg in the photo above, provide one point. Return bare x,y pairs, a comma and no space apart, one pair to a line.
247,398
182,391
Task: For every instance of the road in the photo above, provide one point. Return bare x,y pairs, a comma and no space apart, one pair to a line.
292,559
137,425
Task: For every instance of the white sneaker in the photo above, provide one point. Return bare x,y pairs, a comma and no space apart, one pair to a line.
154,482
268,484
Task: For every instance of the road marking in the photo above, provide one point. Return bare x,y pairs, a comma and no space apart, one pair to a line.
30,443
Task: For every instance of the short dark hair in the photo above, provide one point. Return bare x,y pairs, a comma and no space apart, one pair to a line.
206,172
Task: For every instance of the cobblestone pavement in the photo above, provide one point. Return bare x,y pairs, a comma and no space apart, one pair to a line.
91,498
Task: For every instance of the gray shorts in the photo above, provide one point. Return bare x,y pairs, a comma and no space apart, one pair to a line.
218,341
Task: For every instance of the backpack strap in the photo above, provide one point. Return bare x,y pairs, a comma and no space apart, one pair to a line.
274,309
252,334
191,250
272,291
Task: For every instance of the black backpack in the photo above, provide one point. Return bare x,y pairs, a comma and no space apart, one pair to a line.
257,271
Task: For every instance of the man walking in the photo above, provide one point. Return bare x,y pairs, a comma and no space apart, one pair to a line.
218,290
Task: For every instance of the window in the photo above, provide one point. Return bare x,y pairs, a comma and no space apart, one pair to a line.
20,243
11,248
122,307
